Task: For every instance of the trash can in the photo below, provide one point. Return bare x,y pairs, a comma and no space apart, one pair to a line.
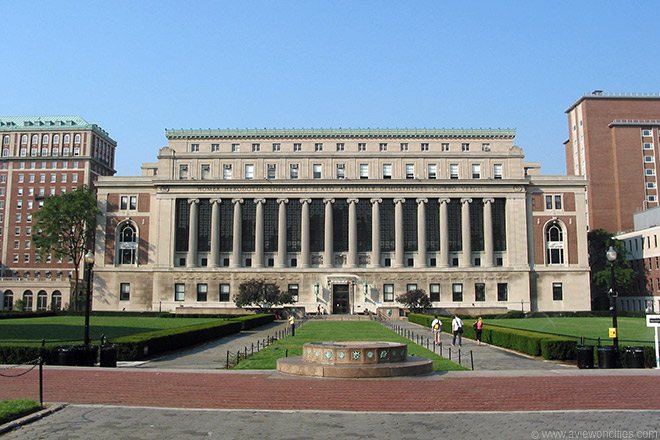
585,356
606,357
109,356
635,357
85,355
66,356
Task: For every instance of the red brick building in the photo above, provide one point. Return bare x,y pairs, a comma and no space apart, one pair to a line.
613,143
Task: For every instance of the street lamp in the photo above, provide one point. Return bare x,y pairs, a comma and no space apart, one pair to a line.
316,289
89,262
611,257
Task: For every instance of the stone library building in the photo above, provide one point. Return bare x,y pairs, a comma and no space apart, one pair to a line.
344,219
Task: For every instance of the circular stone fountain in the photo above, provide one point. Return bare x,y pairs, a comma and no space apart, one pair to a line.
355,359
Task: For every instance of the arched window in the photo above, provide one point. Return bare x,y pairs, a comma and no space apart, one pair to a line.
56,301
76,139
45,139
554,243
35,139
24,139
27,300
56,139
127,244
5,140
67,138
8,300
42,300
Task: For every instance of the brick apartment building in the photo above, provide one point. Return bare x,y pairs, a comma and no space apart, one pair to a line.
42,156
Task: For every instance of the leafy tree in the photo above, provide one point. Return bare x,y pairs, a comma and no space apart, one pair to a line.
19,305
66,225
415,299
624,276
256,293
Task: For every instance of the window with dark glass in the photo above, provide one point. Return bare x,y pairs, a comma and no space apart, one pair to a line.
388,292
364,225
454,223
499,224
410,225
293,290
434,290
248,223
557,292
316,225
204,225
457,292
179,292
293,218
432,225
123,202
127,245
340,225
124,291
480,292
224,293
271,215
502,292
182,225
548,202
387,225
202,290
226,226
477,225
557,202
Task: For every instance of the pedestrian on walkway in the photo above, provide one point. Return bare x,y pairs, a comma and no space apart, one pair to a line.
478,326
292,322
436,328
457,330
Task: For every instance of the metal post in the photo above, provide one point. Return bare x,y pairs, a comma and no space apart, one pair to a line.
88,301
41,381
613,304
459,356
227,359
472,360
449,353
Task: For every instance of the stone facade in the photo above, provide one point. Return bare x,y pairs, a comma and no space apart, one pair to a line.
347,219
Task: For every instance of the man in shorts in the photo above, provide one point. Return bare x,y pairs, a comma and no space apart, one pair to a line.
436,328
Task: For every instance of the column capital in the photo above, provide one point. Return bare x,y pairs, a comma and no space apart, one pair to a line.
399,200
442,200
488,200
422,201
466,200
353,200
214,201
303,201
326,201
376,200
280,201
237,201
193,201
260,201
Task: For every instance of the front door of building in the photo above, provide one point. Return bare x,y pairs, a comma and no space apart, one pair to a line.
340,299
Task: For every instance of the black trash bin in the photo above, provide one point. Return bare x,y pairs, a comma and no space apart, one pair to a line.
108,356
85,355
606,357
66,356
585,356
635,357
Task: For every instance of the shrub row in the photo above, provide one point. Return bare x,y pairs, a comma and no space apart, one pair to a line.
517,314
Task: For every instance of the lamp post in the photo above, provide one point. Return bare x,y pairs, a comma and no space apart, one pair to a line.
316,291
611,257
89,263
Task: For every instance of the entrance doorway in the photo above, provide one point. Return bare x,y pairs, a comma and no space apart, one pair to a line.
340,299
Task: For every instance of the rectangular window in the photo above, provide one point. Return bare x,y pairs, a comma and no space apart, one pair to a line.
215,148
341,171
648,146
650,185
318,147
202,290
340,147
410,171
465,147
410,287
435,292
548,202
277,147
364,171
649,172
183,172
316,171
485,147
453,171
445,147
224,293
205,172
557,292
457,292
388,292
271,169
502,292
179,292
293,171
479,292
646,133
362,147
557,202
293,290
497,171
383,146
124,291
194,148
249,172
297,147
425,147
226,171
476,171
235,148
648,158
132,202
432,171
123,202
256,148
387,171
404,146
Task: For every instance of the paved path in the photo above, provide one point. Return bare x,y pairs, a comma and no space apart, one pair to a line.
94,422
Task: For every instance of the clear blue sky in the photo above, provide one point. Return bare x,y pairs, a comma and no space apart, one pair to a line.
139,67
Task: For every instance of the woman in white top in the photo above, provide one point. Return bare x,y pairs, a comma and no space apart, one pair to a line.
457,329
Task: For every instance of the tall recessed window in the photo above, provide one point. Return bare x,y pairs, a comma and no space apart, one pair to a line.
502,292
434,289
558,292
127,245
364,171
341,171
457,292
256,147
387,171
465,147
316,171
224,293
202,291
388,292
183,171
318,147
179,292
249,172
554,243
362,147
497,171
479,292
453,171
205,171
293,171
476,171
410,171
124,291
226,171
277,147
271,170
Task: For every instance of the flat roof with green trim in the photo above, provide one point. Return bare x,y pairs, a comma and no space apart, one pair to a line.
507,133
49,123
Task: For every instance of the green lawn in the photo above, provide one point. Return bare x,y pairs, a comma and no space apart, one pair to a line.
266,359
630,329
71,328
14,409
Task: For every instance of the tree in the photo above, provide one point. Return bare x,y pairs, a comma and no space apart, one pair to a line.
624,276
415,299
66,225
256,293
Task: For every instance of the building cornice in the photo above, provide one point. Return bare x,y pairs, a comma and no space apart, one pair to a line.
50,123
601,95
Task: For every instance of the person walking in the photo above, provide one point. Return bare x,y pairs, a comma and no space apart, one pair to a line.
478,326
457,330
436,328
292,322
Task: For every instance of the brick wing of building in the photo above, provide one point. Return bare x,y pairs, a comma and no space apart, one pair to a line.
345,219
42,156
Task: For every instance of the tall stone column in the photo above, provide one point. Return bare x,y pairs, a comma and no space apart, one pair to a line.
398,232
281,233
352,233
421,232
375,232
258,260
191,259
488,232
444,232
215,232
304,233
328,252
238,231
466,258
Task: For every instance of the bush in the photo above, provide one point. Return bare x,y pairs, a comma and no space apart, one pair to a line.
558,348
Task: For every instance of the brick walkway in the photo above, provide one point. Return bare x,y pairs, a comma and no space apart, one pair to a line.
456,391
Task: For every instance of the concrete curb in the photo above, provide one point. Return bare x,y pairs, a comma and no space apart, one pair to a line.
10,426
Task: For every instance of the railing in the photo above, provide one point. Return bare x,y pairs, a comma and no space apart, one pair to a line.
34,364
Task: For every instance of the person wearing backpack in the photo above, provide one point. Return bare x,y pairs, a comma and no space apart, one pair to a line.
457,329
436,328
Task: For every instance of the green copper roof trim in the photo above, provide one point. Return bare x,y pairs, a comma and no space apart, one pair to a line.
49,123
341,132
